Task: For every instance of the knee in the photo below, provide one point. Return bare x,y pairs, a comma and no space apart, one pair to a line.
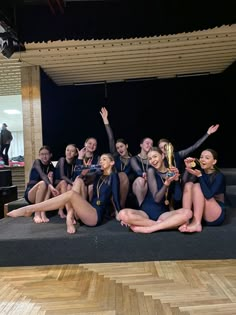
77,183
42,185
63,183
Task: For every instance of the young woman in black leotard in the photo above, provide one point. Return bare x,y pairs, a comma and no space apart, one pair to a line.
155,213
65,172
178,157
86,162
41,182
206,194
139,164
119,149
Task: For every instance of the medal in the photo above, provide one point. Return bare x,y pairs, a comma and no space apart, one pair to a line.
98,202
167,202
192,164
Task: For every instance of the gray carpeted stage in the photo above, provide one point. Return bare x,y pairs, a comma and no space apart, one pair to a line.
24,243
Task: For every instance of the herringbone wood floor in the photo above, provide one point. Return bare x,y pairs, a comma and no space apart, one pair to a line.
166,287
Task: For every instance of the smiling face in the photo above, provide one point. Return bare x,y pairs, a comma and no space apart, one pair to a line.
207,160
155,158
107,162
71,152
146,145
122,148
162,145
91,145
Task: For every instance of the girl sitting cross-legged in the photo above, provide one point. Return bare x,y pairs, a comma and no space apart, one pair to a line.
156,212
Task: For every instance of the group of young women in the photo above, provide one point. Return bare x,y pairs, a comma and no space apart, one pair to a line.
168,195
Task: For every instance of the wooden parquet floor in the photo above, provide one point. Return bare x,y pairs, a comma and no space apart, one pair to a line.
165,287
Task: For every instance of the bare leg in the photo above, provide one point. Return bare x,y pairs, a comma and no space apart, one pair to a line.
168,220
62,187
134,217
36,195
47,196
70,221
187,202
187,195
85,212
43,213
198,208
80,188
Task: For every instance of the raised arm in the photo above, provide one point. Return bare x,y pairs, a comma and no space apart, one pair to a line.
212,129
110,135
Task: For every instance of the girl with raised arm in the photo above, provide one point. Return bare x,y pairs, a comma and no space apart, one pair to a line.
119,149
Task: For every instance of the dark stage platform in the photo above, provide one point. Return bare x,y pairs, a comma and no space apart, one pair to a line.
24,243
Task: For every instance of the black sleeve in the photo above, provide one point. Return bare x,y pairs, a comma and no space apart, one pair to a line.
111,140
185,152
39,170
157,194
61,168
135,166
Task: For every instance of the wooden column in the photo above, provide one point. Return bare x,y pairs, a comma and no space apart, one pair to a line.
32,119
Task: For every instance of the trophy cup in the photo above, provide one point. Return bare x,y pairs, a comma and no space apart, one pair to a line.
170,157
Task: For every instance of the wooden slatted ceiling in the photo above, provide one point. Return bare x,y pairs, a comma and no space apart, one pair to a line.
78,61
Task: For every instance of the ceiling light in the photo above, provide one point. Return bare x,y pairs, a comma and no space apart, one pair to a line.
12,111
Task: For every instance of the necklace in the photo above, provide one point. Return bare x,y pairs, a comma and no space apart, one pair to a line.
144,165
87,161
98,188
166,192
123,163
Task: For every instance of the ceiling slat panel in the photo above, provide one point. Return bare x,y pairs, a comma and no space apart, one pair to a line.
68,62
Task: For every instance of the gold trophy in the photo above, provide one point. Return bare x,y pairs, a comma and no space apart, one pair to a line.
170,157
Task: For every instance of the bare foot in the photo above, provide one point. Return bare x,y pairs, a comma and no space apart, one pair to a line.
124,224
37,219
21,212
44,218
193,227
61,214
183,227
71,229
143,229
